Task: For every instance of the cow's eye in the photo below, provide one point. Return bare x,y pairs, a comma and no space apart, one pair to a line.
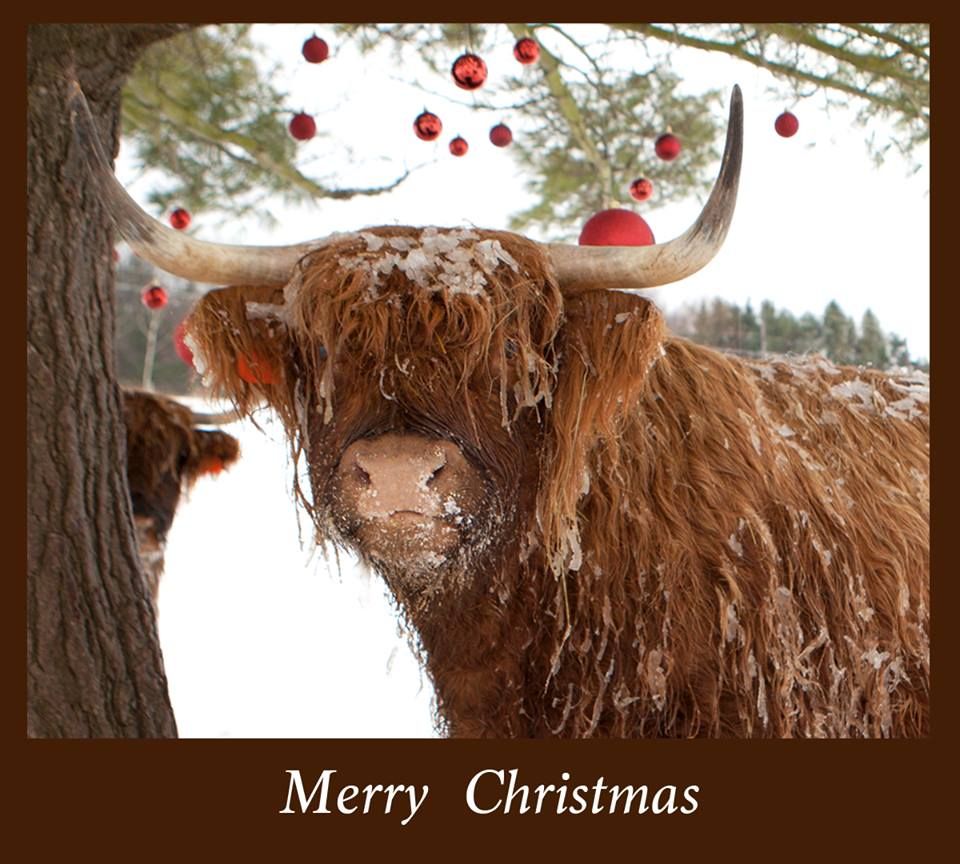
510,349
321,352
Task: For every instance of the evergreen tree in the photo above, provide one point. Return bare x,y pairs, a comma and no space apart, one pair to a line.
839,335
202,107
872,344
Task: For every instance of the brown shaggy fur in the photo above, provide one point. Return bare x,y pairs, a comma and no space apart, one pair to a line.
165,455
685,543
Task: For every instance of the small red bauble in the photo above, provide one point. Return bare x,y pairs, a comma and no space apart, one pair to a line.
183,352
116,256
616,227
526,50
315,50
667,146
469,71
210,465
501,135
154,297
180,218
641,189
254,371
786,124
458,146
427,126
303,127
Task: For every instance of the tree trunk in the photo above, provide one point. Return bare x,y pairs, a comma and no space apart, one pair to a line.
94,667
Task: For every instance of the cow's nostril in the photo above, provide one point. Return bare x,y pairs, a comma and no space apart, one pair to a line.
363,478
436,473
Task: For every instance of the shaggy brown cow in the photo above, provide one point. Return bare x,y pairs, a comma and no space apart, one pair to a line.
166,454
593,527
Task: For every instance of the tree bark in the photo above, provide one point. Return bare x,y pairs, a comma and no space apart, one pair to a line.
94,667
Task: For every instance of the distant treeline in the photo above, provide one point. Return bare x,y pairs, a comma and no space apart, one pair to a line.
716,323
725,325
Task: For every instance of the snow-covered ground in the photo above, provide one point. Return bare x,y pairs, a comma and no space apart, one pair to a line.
263,637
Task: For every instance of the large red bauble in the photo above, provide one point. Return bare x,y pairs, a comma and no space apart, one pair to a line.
667,146
469,71
641,189
303,127
183,352
501,135
458,146
180,218
315,50
526,50
154,297
254,371
616,227
786,124
427,126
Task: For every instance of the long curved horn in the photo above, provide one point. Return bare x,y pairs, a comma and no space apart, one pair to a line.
221,418
583,268
177,253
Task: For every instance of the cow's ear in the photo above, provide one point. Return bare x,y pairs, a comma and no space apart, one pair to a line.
212,452
241,346
608,344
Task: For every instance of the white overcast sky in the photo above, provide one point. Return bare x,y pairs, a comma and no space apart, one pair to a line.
816,219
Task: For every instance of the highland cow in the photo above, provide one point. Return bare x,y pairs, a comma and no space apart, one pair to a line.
166,454
594,529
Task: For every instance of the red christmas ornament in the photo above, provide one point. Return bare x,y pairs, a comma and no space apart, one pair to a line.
180,218
183,352
427,126
458,146
616,227
501,135
667,146
469,71
315,50
641,189
303,127
526,51
116,256
254,371
210,465
786,124
154,297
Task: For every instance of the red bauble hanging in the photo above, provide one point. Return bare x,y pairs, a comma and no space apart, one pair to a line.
154,297
210,465
180,218
116,256
641,189
303,127
526,50
180,346
501,135
667,146
616,227
458,146
469,71
786,124
255,370
427,126
315,49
